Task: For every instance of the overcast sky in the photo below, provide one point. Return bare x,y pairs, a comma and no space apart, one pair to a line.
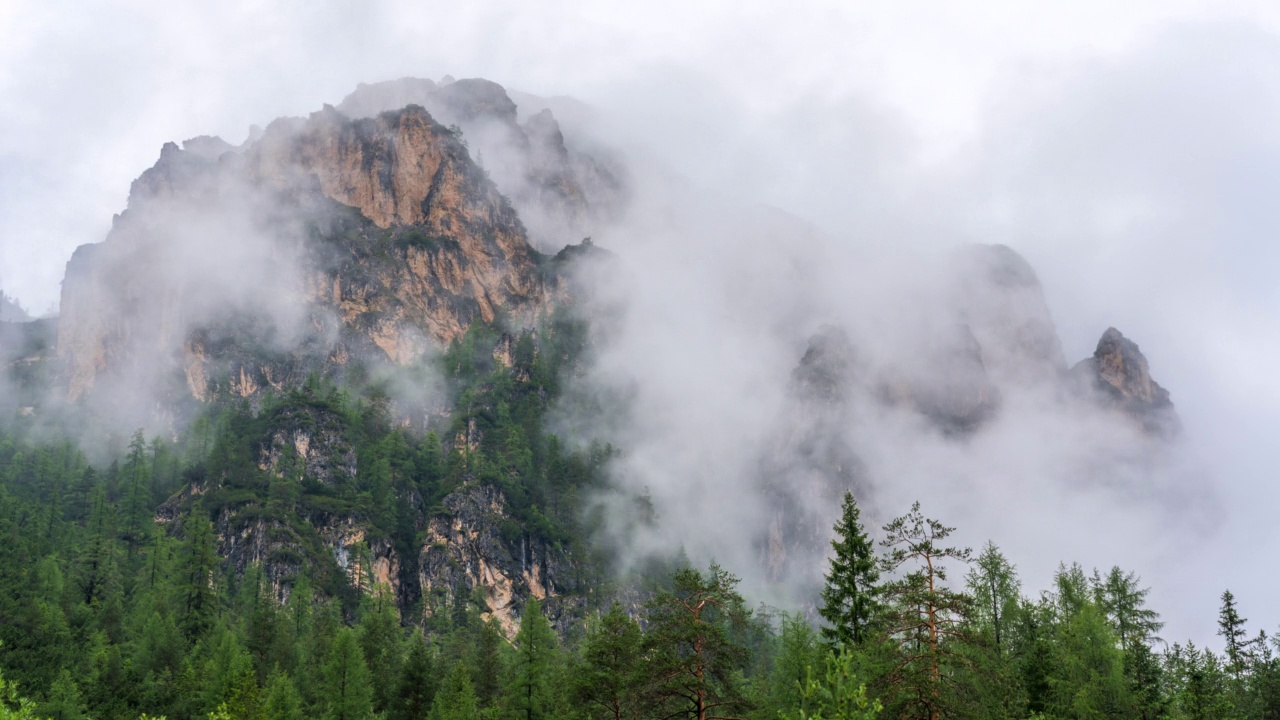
1130,150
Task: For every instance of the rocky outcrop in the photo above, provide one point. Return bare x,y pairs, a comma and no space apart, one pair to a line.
325,242
473,545
813,463
1118,377
562,190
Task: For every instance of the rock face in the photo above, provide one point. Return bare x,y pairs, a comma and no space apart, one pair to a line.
464,550
562,191
325,242
309,520
813,463
1117,376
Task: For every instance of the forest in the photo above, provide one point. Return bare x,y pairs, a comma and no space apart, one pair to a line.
116,603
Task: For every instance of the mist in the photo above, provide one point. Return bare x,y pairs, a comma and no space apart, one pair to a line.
1125,152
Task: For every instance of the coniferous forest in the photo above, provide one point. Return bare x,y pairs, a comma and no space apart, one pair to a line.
115,602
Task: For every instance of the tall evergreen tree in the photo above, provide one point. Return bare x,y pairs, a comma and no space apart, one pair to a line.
529,694
606,683
849,603
281,700
1125,604
993,583
418,682
456,699
1236,639
348,687
199,597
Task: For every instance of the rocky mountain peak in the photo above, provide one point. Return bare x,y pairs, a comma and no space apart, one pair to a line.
369,238
1118,375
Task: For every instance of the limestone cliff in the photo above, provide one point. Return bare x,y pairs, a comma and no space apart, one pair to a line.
325,242
563,188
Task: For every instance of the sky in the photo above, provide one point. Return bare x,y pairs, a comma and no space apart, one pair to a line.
1129,150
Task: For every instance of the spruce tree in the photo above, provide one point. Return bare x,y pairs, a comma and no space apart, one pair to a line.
849,599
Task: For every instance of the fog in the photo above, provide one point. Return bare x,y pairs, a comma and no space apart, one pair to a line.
1127,153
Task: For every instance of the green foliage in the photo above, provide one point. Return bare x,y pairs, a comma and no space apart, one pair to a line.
836,694
694,664
530,692
849,598
608,679
456,699
151,584
348,687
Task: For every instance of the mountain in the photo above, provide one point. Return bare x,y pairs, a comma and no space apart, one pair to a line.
355,314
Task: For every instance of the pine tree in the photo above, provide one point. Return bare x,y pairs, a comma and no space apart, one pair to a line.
348,691
926,619
693,663
529,695
849,599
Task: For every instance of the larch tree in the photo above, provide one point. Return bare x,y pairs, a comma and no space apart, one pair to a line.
1235,637
530,693
348,686
1125,603
993,583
